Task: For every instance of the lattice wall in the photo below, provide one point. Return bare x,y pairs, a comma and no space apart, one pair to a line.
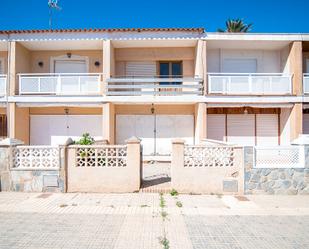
207,156
279,157
35,157
101,156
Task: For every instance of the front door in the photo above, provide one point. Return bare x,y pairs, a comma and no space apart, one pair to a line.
155,131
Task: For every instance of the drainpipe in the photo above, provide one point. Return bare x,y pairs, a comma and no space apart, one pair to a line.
8,83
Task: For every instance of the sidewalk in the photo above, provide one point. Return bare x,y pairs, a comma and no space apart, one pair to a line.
143,220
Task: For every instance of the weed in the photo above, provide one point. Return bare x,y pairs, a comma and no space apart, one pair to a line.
164,214
179,204
165,243
144,205
63,205
174,192
162,201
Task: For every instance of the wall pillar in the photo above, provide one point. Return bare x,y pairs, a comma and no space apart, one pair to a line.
12,68
296,66
200,69
177,163
296,121
107,67
200,122
11,108
134,162
109,122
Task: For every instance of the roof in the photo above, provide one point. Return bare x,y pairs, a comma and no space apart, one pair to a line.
98,30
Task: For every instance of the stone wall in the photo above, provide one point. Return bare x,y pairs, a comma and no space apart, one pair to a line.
5,177
275,181
29,180
36,181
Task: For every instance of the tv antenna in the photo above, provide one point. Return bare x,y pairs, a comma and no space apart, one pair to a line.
52,5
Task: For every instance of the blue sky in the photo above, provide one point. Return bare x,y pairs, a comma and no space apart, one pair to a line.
290,16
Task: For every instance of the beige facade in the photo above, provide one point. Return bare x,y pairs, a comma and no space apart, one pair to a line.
110,57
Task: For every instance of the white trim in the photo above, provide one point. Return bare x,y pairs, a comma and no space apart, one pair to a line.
247,100
66,58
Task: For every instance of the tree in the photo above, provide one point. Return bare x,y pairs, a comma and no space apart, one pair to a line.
236,26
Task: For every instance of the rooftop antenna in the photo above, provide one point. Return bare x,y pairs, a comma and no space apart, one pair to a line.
52,5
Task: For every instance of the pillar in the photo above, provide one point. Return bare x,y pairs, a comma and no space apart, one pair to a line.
296,66
109,122
200,122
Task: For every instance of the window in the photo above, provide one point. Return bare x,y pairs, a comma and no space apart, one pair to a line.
170,70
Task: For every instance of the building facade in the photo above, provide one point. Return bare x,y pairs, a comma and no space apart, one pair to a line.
155,84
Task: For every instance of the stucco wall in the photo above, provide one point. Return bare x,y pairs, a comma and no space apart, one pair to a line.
62,110
22,124
206,179
45,57
158,109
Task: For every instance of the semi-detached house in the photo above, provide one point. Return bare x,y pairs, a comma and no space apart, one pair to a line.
156,84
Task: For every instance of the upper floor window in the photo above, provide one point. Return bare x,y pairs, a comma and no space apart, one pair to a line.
170,69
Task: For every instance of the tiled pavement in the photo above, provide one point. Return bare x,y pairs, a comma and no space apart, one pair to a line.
135,221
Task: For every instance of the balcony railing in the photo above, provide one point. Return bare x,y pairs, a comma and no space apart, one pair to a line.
60,84
2,85
249,84
145,85
306,83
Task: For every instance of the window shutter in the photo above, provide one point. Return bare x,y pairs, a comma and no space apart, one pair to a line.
240,129
267,129
141,68
216,126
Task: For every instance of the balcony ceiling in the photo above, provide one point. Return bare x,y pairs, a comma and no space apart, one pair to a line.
64,45
265,45
154,43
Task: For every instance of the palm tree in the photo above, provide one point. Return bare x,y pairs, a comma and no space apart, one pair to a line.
236,26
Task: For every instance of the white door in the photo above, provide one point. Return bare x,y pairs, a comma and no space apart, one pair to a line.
241,129
216,126
231,65
267,129
55,129
305,123
70,66
155,131
169,127
141,126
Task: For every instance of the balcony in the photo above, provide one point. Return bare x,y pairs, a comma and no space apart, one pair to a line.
249,84
2,85
60,84
306,83
158,86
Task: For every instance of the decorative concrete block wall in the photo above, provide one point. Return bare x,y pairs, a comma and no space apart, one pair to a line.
285,181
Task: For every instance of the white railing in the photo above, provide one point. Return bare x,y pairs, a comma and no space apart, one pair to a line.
2,85
101,155
156,85
60,84
208,156
251,84
36,157
279,157
306,83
